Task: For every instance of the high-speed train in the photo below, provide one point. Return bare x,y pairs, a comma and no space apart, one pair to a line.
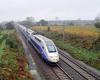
43,45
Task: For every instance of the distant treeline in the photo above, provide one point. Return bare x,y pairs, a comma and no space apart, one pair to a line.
7,25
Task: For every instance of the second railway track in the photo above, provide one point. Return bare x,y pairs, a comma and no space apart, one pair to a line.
78,68
62,75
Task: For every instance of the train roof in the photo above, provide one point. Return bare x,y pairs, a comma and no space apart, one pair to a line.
43,38
30,31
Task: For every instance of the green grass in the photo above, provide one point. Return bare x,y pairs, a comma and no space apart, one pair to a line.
3,37
79,52
9,60
11,50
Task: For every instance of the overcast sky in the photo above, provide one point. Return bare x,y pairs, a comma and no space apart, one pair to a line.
48,9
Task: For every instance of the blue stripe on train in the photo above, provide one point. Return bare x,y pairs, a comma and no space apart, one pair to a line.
23,34
40,49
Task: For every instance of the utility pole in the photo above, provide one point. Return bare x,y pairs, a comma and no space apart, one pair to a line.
57,20
63,32
48,26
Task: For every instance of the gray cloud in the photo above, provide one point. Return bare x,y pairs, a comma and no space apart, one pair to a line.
49,9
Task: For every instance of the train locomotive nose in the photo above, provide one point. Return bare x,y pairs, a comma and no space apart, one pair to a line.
54,59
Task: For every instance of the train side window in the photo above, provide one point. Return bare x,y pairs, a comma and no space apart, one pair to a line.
37,39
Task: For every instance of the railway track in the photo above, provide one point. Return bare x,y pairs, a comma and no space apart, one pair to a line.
65,69
60,73
83,71
50,72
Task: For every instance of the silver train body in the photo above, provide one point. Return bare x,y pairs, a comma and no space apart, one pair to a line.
43,45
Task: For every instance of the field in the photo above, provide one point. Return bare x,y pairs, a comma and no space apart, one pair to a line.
82,42
82,31
13,64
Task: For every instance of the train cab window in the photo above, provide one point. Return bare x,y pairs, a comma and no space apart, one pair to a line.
51,48
37,39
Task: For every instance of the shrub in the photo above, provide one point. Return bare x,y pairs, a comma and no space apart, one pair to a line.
11,43
96,45
97,24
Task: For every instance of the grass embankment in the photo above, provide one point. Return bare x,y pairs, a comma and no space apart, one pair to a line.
87,56
13,64
83,43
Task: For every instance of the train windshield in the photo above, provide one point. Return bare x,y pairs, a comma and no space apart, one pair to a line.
51,48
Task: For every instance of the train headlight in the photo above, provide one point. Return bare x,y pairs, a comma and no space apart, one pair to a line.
51,56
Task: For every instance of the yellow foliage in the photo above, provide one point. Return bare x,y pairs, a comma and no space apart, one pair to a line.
83,31
6,74
40,28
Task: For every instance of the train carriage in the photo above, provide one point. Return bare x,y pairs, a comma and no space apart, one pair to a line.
43,45
46,48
